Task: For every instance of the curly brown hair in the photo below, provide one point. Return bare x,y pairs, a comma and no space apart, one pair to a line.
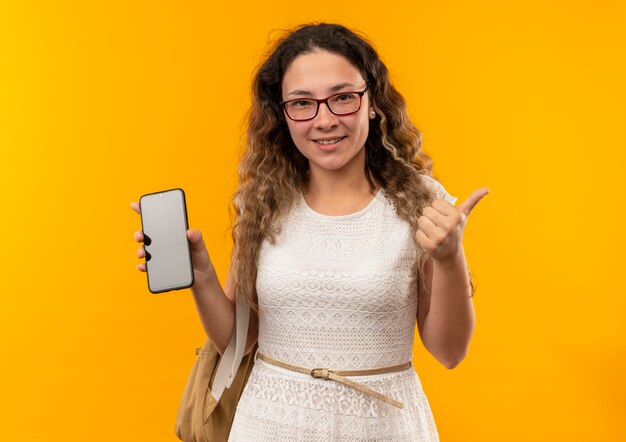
272,170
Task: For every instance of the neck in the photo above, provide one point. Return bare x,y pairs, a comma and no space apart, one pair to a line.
333,186
348,179
338,192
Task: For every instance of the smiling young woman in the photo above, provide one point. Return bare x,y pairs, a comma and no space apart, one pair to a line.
342,242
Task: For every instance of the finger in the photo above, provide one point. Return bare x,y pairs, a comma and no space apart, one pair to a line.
191,236
135,206
427,227
195,237
141,252
471,201
424,240
138,235
443,207
141,267
445,215
435,216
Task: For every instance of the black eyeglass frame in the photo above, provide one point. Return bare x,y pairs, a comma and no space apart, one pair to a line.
319,101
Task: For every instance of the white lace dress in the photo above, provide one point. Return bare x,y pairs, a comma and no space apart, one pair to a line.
336,292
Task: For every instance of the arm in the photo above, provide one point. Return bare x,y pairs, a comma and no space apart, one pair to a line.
216,306
445,314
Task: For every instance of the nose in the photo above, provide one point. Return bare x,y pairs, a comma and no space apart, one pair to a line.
325,118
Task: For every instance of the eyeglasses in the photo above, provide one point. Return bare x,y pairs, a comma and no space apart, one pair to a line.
343,103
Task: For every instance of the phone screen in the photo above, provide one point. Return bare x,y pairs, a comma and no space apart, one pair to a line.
164,224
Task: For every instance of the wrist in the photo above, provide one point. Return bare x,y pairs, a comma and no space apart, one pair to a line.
451,263
456,267
203,279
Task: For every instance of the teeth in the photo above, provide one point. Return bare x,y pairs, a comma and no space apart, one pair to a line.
336,140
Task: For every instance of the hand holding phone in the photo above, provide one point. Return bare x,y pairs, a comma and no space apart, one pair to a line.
167,251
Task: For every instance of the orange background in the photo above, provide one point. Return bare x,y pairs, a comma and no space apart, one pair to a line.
101,102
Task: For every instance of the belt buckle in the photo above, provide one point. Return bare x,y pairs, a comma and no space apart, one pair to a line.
320,373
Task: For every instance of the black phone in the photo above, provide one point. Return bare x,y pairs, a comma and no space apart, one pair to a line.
168,256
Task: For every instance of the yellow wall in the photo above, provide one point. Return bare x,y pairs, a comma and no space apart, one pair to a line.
101,102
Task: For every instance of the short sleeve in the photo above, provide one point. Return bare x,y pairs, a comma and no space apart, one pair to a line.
439,190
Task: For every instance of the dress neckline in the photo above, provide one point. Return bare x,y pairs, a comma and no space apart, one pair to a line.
377,197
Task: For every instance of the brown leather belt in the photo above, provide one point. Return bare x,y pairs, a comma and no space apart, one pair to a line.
338,376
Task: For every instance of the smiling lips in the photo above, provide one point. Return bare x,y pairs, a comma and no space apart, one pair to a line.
328,141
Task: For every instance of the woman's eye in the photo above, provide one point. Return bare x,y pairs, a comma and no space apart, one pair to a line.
345,97
301,103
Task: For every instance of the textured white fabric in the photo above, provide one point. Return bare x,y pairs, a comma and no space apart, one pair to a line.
336,292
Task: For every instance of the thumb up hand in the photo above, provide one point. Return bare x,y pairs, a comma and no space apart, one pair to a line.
441,226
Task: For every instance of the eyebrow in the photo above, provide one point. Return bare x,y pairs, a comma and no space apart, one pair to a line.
330,90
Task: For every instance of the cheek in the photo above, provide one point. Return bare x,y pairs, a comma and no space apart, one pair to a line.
298,133
364,127
293,133
293,128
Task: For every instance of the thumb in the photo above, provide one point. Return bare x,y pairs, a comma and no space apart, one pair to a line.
195,238
471,201
200,255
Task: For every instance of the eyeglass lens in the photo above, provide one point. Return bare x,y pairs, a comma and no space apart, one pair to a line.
340,104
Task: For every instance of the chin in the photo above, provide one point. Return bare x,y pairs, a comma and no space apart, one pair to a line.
331,166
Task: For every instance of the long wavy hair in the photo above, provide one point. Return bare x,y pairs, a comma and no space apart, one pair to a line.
272,170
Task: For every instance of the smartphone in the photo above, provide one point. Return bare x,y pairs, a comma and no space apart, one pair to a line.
168,255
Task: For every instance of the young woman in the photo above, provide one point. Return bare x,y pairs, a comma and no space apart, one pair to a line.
343,241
